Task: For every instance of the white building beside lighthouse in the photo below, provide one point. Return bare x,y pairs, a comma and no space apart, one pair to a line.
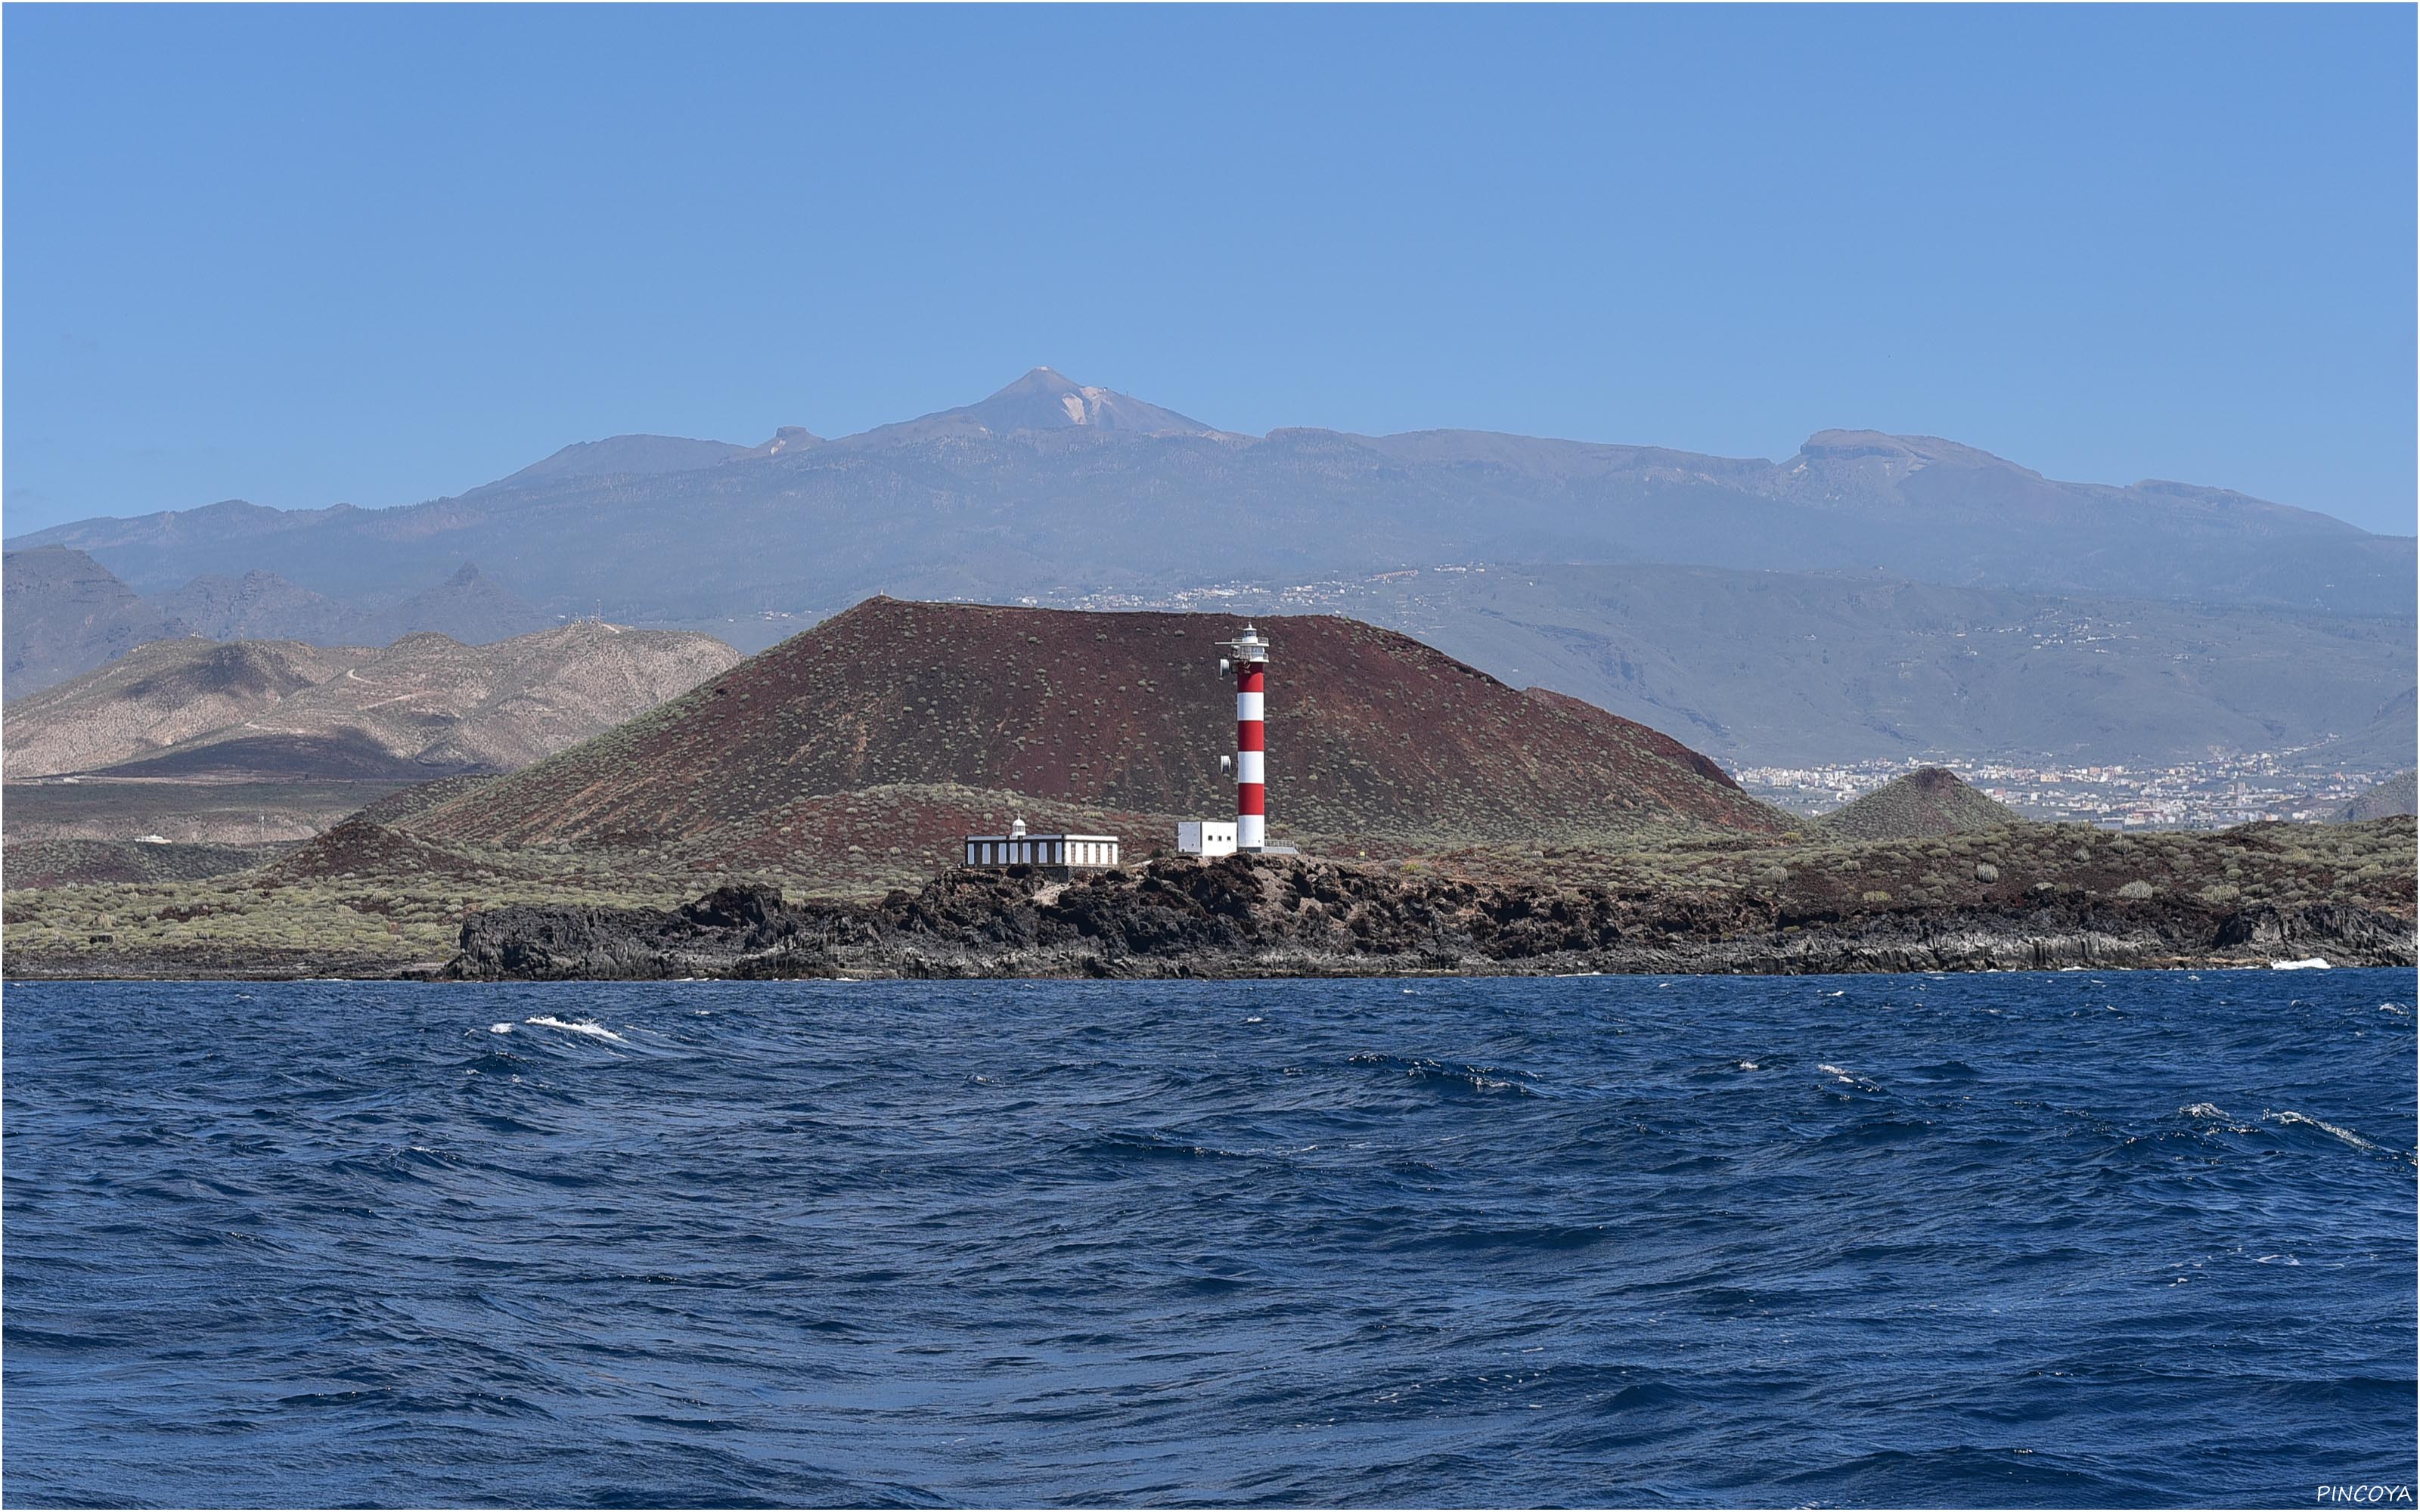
1073,853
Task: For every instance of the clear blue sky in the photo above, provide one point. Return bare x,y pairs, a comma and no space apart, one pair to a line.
300,255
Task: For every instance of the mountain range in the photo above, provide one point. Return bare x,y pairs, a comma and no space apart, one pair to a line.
1800,668
1052,484
1056,493
67,613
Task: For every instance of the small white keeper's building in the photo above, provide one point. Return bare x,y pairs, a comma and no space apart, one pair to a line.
1205,837
1075,852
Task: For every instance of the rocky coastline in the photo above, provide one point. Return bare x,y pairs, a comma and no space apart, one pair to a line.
1271,917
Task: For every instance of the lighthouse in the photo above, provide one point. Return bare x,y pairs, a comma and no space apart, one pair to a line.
1249,663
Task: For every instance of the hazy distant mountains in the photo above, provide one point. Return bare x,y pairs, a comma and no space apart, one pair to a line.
1053,492
1051,484
1777,667
65,614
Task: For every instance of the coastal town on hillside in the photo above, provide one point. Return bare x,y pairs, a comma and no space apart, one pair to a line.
2233,789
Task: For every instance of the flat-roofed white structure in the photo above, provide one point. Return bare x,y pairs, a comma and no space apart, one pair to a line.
1205,837
1017,848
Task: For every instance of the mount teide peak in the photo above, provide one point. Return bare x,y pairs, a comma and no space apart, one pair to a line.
1044,400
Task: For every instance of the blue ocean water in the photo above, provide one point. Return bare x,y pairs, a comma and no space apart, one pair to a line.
1983,1239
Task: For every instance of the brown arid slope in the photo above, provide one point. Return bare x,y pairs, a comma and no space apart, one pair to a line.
1932,801
159,694
1371,734
191,710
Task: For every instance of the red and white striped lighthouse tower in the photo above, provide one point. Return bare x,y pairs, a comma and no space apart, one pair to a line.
1250,662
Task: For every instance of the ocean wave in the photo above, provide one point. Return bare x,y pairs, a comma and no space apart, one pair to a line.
1489,1079
1124,1143
1849,1078
2290,1117
587,1027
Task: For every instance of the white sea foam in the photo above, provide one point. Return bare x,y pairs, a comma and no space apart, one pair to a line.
2346,1134
2308,963
2202,1110
587,1027
500,1028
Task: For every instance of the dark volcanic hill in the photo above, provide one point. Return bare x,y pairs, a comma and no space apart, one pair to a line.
1932,801
1371,733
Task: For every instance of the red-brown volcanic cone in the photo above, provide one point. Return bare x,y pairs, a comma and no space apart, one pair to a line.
1369,734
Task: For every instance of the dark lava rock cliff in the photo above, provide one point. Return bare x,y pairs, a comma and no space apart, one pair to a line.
1274,916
